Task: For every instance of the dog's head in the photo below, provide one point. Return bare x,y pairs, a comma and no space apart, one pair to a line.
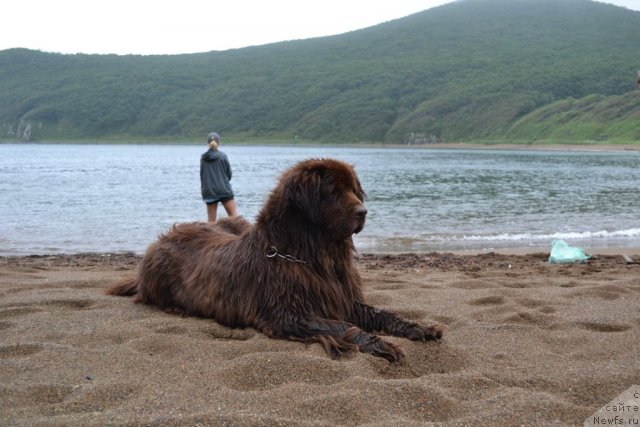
321,194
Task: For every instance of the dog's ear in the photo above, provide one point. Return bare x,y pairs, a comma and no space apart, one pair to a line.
303,192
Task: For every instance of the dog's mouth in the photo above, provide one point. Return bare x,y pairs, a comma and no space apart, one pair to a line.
359,228
360,216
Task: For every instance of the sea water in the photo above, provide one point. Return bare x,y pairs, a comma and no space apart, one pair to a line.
66,198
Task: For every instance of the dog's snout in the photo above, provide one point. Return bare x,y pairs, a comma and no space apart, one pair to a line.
361,212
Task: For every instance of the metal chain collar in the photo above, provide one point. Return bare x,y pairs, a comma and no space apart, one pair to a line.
273,252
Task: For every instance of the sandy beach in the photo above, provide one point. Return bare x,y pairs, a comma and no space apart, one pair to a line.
527,343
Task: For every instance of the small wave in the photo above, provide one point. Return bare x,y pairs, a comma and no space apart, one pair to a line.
569,235
445,241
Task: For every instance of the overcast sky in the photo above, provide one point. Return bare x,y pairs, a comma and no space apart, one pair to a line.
187,26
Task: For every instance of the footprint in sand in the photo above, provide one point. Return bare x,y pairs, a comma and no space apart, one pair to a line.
18,350
571,284
603,327
606,292
263,371
388,282
473,284
170,329
389,285
219,332
422,359
155,344
516,285
75,304
16,311
403,403
489,300
539,313
5,325
492,313
529,318
33,395
540,305
53,400
494,307
445,320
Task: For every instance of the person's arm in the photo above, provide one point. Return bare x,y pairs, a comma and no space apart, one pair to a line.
228,168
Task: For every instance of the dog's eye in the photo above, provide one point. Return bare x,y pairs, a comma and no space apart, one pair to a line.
359,191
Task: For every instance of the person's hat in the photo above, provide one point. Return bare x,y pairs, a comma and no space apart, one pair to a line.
213,136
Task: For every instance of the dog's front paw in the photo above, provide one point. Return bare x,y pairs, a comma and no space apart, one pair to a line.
425,333
381,348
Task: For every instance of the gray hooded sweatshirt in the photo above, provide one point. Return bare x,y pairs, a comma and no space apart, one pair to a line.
215,174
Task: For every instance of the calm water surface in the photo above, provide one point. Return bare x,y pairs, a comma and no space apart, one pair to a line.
105,198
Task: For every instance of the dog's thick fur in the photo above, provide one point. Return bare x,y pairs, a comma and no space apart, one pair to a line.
291,275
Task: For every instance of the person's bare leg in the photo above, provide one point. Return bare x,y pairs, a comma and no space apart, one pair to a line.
230,207
212,212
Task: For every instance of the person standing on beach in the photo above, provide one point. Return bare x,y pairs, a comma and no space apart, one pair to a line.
215,177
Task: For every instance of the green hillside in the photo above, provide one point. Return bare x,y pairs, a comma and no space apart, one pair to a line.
469,70
592,118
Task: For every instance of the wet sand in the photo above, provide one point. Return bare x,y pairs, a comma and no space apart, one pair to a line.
528,343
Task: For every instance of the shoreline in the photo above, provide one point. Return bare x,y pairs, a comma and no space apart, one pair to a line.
531,147
131,259
479,145
516,250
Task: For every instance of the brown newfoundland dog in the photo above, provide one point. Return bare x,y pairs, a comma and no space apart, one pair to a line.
291,275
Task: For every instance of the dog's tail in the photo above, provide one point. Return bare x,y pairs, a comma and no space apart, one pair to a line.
126,287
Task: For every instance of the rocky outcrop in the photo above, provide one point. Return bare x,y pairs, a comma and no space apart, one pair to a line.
23,131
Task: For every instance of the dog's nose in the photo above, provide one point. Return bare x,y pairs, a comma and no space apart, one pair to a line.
361,212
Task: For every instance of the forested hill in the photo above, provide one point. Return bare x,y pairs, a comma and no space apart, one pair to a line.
468,70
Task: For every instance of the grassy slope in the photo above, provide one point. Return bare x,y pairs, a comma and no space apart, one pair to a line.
592,118
471,70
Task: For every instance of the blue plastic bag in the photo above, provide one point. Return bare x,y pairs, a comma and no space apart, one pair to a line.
562,253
